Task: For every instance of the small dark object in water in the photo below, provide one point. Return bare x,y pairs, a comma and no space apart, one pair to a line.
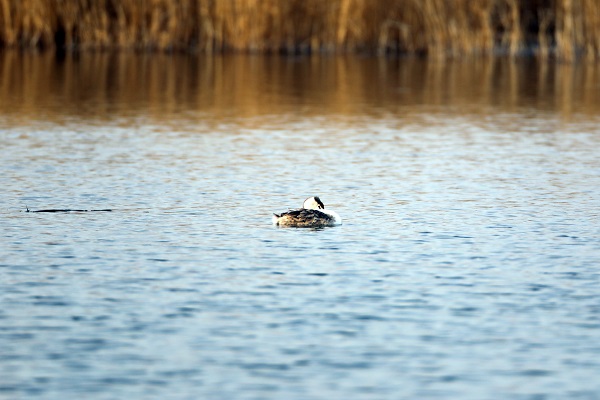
56,210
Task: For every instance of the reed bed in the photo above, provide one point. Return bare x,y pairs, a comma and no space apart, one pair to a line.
566,29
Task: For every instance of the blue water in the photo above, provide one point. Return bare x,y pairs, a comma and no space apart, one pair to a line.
466,267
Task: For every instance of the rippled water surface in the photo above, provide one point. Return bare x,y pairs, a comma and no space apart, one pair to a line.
466,267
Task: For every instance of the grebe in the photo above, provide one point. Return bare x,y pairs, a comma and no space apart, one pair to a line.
312,215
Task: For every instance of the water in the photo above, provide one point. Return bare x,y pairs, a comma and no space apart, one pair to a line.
467,265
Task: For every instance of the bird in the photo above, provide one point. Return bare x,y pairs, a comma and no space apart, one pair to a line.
312,215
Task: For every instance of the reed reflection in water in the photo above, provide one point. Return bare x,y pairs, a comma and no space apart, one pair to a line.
101,87
466,267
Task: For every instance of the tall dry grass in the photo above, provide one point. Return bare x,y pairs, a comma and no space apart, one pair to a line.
567,29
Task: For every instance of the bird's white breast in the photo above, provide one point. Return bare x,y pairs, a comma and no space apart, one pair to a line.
336,217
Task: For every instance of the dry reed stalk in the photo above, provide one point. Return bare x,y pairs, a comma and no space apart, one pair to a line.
434,26
564,30
591,27
8,34
545,18
343,22
515,31
206,31
27,23
484,35
508,21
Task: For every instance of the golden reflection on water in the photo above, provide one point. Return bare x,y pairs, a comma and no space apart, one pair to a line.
124,87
